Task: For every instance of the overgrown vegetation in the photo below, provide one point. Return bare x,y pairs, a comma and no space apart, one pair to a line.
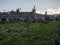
30,33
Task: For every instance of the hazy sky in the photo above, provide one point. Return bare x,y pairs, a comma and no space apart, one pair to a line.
28,4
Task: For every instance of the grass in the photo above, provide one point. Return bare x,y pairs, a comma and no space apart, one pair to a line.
29,33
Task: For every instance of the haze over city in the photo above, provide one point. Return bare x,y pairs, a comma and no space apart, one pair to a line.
52,6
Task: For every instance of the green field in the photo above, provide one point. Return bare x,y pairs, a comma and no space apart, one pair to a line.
30,33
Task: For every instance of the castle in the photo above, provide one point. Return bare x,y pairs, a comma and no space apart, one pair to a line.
27,16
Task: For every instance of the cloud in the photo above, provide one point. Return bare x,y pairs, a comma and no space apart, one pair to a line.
54,10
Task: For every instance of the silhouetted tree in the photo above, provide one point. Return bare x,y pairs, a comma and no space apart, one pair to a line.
17,11
12,12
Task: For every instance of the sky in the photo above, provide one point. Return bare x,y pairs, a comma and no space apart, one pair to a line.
41,5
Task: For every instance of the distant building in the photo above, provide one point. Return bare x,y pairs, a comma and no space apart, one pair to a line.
26,16
57,17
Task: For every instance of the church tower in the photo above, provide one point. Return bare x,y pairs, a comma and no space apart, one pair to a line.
45,12
46,16
34,12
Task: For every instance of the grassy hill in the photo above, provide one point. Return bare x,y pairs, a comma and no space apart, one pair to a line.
30,33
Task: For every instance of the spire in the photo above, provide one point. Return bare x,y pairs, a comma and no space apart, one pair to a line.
34,10
4,10
20,9
34,6
45,12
